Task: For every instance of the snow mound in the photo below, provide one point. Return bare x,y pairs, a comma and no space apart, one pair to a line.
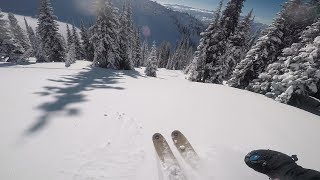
91,123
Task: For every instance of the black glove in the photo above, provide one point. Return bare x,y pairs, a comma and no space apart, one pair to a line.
277,165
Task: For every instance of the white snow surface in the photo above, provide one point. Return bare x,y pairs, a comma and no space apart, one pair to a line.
82,123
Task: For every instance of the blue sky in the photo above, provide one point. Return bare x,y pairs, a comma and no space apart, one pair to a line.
264,10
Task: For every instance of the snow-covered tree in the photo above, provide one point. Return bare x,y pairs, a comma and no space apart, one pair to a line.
238,45
69,37
49,36
296,71
197,67
137,59
209,65
71,55
164,54
213,71
77,43
182,56
125,41
144,52
87,45
18,32
127,38
282,33
31,35
151,65
5,36
9,47
105,37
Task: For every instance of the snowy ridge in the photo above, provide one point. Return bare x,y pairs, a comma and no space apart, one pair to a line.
95,123
34,23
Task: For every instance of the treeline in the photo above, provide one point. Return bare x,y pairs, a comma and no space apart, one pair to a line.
281,63
112,41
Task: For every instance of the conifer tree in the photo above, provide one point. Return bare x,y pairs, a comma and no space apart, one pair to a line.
164,54
49,36
125,41
127,38
5,36
69,37
213,70
87,45
196,68
182,56
296,71
71,55
77,43
144,52
9,47
151,65
238,45
18,32
105,37
282,33
137,50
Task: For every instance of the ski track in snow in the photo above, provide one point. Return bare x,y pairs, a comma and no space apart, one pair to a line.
119,158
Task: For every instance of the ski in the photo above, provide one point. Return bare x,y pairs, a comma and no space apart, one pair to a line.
168,161
185,149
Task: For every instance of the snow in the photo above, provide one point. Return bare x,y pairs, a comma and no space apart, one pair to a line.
80,123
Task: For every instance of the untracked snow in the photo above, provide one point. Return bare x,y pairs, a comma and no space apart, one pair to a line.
83,123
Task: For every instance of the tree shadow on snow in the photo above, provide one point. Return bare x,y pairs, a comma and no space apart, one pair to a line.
70,90
11,64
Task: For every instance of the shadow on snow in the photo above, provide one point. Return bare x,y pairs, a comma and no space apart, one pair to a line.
70,91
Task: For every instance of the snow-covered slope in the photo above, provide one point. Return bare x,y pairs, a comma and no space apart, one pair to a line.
34,23
82,123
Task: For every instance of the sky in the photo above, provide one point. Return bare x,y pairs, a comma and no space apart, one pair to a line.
264,10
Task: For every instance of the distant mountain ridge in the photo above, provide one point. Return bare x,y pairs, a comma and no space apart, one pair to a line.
205,15
164,24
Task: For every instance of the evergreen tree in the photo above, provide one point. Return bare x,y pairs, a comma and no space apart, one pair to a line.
151,66
105,37
145,53
238,45
213,70
48,33
282,33
182,56
296,71
125,41
71,55
5,36
31,35
69,37
9,47
87,45
77,43
40,53
127,38
137,50
196,68
164,54
18,32
130,29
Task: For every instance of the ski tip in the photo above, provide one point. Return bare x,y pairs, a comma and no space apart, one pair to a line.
175,134
156,136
